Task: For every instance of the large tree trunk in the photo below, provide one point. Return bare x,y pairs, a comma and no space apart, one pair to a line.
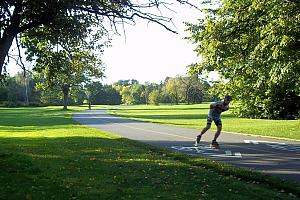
65,90
5,44
8,36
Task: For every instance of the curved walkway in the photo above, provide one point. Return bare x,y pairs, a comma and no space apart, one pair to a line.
271,156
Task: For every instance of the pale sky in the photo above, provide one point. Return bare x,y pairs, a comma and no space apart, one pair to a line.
149,52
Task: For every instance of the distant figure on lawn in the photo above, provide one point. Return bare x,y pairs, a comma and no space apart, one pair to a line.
214,114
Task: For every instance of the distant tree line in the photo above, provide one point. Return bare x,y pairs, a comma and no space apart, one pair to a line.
34,90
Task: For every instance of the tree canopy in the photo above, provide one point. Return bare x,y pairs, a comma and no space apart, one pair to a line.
254,45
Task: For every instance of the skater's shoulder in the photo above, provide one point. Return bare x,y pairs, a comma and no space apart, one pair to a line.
218,102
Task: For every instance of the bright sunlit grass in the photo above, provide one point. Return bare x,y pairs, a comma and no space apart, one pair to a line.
44,154
194,116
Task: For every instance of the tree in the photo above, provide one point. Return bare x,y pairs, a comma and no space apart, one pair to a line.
103,94
49,96
255,46
127,98
147,88
75,66
131,94
126,82
131,91
18,90
111,96
14,93
72,18
192,88
154,97
172,87
95,91
3,93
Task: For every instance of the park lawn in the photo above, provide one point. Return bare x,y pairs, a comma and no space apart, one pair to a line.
194,116
44,154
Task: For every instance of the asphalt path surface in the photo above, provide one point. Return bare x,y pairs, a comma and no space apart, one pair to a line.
270,156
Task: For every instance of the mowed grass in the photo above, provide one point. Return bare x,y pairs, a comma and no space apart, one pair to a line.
44,154
195,116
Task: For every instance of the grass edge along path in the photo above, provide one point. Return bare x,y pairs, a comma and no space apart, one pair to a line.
194,116
45,155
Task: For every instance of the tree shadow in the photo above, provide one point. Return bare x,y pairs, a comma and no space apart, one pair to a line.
95,167
171,117
157,109
18,118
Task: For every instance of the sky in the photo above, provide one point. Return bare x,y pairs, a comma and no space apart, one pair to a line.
147,52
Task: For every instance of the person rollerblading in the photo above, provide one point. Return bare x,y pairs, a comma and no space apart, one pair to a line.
214,114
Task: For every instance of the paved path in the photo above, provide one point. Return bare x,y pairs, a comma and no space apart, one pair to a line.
277,157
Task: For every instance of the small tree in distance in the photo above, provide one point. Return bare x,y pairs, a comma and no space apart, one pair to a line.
154,97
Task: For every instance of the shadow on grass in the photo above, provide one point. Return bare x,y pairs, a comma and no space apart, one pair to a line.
102,118
101,168
89,168
172,117
166,117
14,118
24,119
159,108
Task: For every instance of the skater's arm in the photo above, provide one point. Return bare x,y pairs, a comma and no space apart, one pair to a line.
225,108
212,105
218,106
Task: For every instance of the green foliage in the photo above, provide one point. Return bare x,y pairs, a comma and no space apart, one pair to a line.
188,89
126,82
43,91
254,45
173,89
66,67
3,93
51,96
14,90
193,89
110,96
154,97
131,91
103,94
130,94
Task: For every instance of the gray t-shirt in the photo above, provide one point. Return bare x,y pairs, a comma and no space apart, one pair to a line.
218,108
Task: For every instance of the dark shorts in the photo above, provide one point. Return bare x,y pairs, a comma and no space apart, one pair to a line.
216,119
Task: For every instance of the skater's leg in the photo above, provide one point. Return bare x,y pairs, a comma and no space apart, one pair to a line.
208,125
205,129
218,132
214,142
202,132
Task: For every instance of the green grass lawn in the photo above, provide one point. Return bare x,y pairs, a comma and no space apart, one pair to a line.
194,116
44,154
